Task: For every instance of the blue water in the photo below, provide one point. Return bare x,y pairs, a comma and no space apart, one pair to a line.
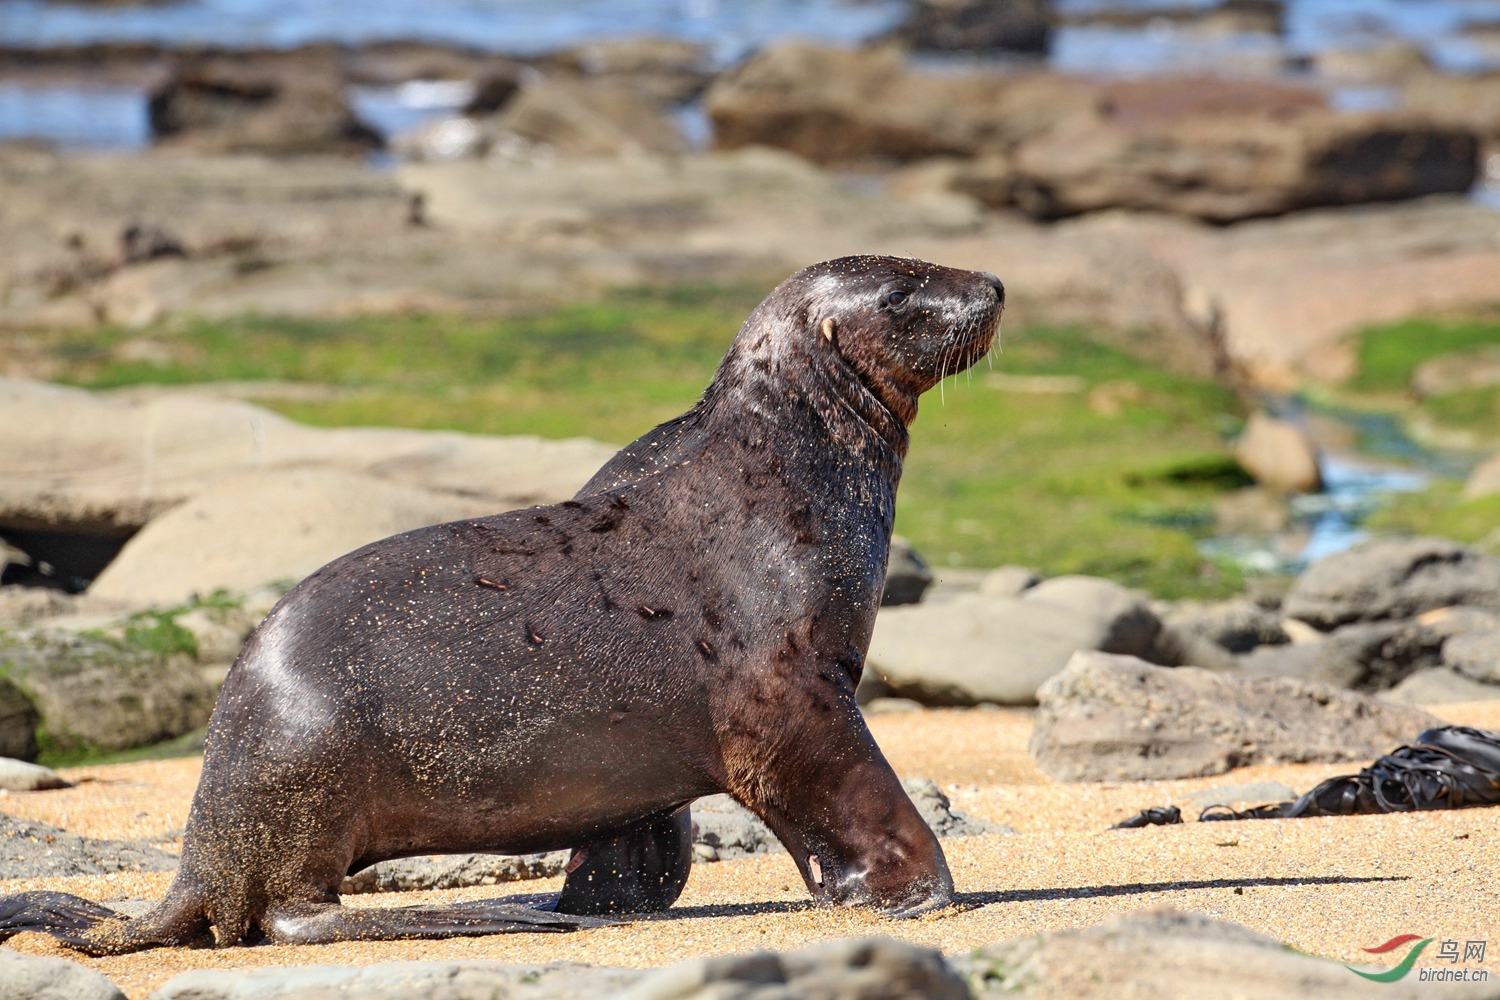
79,116
730,27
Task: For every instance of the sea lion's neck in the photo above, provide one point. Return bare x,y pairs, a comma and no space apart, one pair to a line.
809,388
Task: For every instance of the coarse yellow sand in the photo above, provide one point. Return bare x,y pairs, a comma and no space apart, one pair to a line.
1324,886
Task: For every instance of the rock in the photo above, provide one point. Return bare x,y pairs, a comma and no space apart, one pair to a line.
444,140
1365,656
831,106
659,69
1475,654
973,648
724,830
589,118
835,106
938,812
1290,292
110,462
1464,100
1226,17
1224,167
301,519
1238,625
40,977
19,776
1280,455
106,694
870,969
35,850
452,871
1176,648
1387,61
1169,953
257,104
1254,792
865,968
1008,581
1440,684
1394,578
18,722
1478,369
1484,481
147,241
1251,511
907,575
1117,718
977,26
477,980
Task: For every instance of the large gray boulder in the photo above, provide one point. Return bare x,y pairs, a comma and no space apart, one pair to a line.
41,977
94,692
1170,953
110,462
1394,578
1118,718
107,464
268,527
974,648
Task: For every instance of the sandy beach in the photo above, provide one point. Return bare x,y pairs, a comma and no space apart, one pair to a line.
1324,886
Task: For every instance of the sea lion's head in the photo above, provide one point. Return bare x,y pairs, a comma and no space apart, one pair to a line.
891,326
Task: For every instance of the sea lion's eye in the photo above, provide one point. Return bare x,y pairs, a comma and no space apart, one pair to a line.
895,298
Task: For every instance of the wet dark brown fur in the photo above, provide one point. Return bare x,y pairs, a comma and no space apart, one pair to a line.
694,621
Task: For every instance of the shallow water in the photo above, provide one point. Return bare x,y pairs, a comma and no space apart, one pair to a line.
1355,486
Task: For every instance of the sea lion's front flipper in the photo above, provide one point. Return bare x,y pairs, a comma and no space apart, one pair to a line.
325,923
642,870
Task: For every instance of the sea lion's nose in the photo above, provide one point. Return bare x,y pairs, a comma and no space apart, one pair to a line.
996,284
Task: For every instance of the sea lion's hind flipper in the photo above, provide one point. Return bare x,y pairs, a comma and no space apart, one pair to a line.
325,923
642,870
60,914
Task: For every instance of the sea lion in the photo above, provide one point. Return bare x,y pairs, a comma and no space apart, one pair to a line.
694,621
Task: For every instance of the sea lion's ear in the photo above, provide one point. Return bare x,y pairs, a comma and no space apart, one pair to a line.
827,328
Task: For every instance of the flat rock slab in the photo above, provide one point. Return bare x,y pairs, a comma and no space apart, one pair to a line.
1118,718
868,968
401,981
39,977
1168,953
29,849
